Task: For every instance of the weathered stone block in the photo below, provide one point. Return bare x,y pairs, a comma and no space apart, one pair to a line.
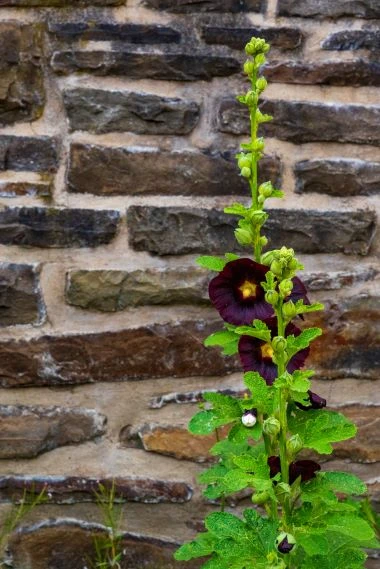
110,291
327,9
20,296
26,432
29,153
101,111
22,94
340,73
236,38
137,171
350,344
352,40
161,350
138,65
155,229
60,3
335,280
69,544
106,31
42,189
301,122
338,177
365,447
73,489
53,227
206,5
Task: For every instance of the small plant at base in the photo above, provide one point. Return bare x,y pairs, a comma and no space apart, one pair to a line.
108,548
305,525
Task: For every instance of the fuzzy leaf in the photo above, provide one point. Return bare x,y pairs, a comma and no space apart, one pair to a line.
223,524
226,404
203,423
350,525
226,339
201,546
213,474
239,433
262,395
319,428
212,263
237,209
297,343
312,543
254,332
236,480
305,308
342,482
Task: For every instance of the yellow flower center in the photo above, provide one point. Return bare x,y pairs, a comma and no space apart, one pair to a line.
267,351
248,289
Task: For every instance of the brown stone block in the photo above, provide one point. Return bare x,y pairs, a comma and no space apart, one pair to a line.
68,544
353,40
111,291
21,301
185,6
74,489
102,111
29,153
22,94
236,38
26,432
155,229
355,73
10,189
103,170
167,350
138,65
300,122
60,3
141,34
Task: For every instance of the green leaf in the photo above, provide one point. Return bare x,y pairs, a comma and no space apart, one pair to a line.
350,525
226,339
250,331
213,474
226,404
211,263
312,543
223,524
203,423
216,563
236,480
342,482
261,394
304,308
297,343
319,428
237,209
201,546
231,257
239,433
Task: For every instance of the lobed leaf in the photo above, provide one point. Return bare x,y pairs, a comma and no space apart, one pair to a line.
212,263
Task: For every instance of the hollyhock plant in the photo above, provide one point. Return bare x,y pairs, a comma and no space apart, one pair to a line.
302,516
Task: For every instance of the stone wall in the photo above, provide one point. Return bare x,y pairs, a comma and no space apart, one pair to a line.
118,133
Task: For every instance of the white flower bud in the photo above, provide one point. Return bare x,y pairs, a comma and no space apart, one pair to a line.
249,418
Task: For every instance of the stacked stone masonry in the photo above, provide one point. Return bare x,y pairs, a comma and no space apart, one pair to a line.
118,129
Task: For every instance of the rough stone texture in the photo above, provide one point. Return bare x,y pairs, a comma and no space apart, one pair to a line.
22,95
73,489
103,170
109,111
53,227
236,38
327,9
32,154
340,73
20,295
301,122
26,432
183,398
181,6
110,291
352,40
60,3
106,31
139,65
67,544
155,229
168,350
338,177
350,345
335,280
176,441
14,189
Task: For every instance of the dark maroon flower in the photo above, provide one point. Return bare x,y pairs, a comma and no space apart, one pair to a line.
256,355
299,291
316,402
284,546
237,294
304,468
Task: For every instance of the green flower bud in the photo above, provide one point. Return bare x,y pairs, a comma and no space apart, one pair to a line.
266,189
261,200
286,287
249,67
289,310
258,144
250,48
279,344
243,236
285,542
267,258
272,297
294,444
261,84
244,162
260,59
251,98
260,498
263,241
246,172
276,267
271,426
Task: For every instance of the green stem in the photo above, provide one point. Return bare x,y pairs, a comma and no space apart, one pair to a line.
253,183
